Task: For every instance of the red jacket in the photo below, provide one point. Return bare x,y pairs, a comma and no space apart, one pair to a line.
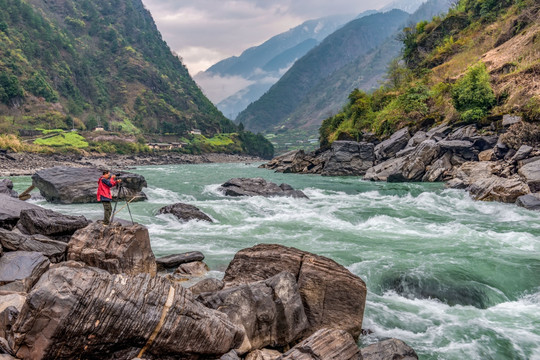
104,189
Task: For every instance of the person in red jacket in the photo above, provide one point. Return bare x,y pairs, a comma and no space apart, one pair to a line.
105,183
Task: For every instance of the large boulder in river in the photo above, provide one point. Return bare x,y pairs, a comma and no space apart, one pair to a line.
52,249
258,187
6,188
529,201
51,223
19,270
389,349
332,296
270,310
349,158
327,344
185,212
10,210
115,248
69,185
76,312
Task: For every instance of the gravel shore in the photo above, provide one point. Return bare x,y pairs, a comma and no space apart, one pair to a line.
18,164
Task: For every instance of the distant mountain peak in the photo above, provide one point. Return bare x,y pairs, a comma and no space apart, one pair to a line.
409,6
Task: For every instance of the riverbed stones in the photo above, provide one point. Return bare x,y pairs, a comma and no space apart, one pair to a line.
195,268
51,223
70,185
328,344
270,311
206,286
10,210
19,270
117,316
258,187
349,158
174,260
52,249
185,212
389,349
332,295
115,248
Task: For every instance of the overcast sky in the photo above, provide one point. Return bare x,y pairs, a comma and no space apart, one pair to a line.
204,32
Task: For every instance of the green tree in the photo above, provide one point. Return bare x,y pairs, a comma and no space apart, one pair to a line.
10,87
472,95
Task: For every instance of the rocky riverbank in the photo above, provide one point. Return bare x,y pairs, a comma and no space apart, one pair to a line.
496,163
72,288
15,164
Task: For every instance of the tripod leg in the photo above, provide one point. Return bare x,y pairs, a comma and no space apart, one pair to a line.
116,203
129,210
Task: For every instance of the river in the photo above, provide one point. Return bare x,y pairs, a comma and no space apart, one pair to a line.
453,278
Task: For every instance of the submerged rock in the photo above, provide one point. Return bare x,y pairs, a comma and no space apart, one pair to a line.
69,185
328,344
118,317
115,248
331,294
270,310
185,212
529,201
258,187
389,349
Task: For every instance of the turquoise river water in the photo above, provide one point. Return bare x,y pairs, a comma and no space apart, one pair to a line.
454,278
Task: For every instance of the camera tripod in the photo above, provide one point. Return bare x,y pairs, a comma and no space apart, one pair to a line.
121,191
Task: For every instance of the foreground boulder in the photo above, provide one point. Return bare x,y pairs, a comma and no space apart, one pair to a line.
389,349
348,158
185,212
270,311
115,248
69,185
333,297
51,223
52,249
327,344
10,210
258,187
78,312
19,270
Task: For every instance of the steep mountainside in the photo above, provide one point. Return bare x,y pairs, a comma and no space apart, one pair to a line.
342,47
473,65
67,63
365,73
261,66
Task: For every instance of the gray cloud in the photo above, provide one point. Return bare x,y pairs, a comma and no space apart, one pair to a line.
206,31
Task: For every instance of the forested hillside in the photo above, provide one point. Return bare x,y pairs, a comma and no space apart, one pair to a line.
66,63
340,48
471,66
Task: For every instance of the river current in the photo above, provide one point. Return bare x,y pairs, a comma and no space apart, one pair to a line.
452,277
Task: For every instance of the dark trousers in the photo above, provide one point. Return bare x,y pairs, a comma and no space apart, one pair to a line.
107,207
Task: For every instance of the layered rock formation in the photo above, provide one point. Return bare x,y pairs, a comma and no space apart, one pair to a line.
490,165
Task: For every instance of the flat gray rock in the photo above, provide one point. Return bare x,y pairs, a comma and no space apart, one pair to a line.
10,210
23,268
48,222
258,187
52,249
173,261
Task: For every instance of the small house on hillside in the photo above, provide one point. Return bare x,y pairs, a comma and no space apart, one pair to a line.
99,128
195,132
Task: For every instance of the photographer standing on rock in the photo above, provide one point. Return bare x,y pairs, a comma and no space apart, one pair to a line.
105,183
